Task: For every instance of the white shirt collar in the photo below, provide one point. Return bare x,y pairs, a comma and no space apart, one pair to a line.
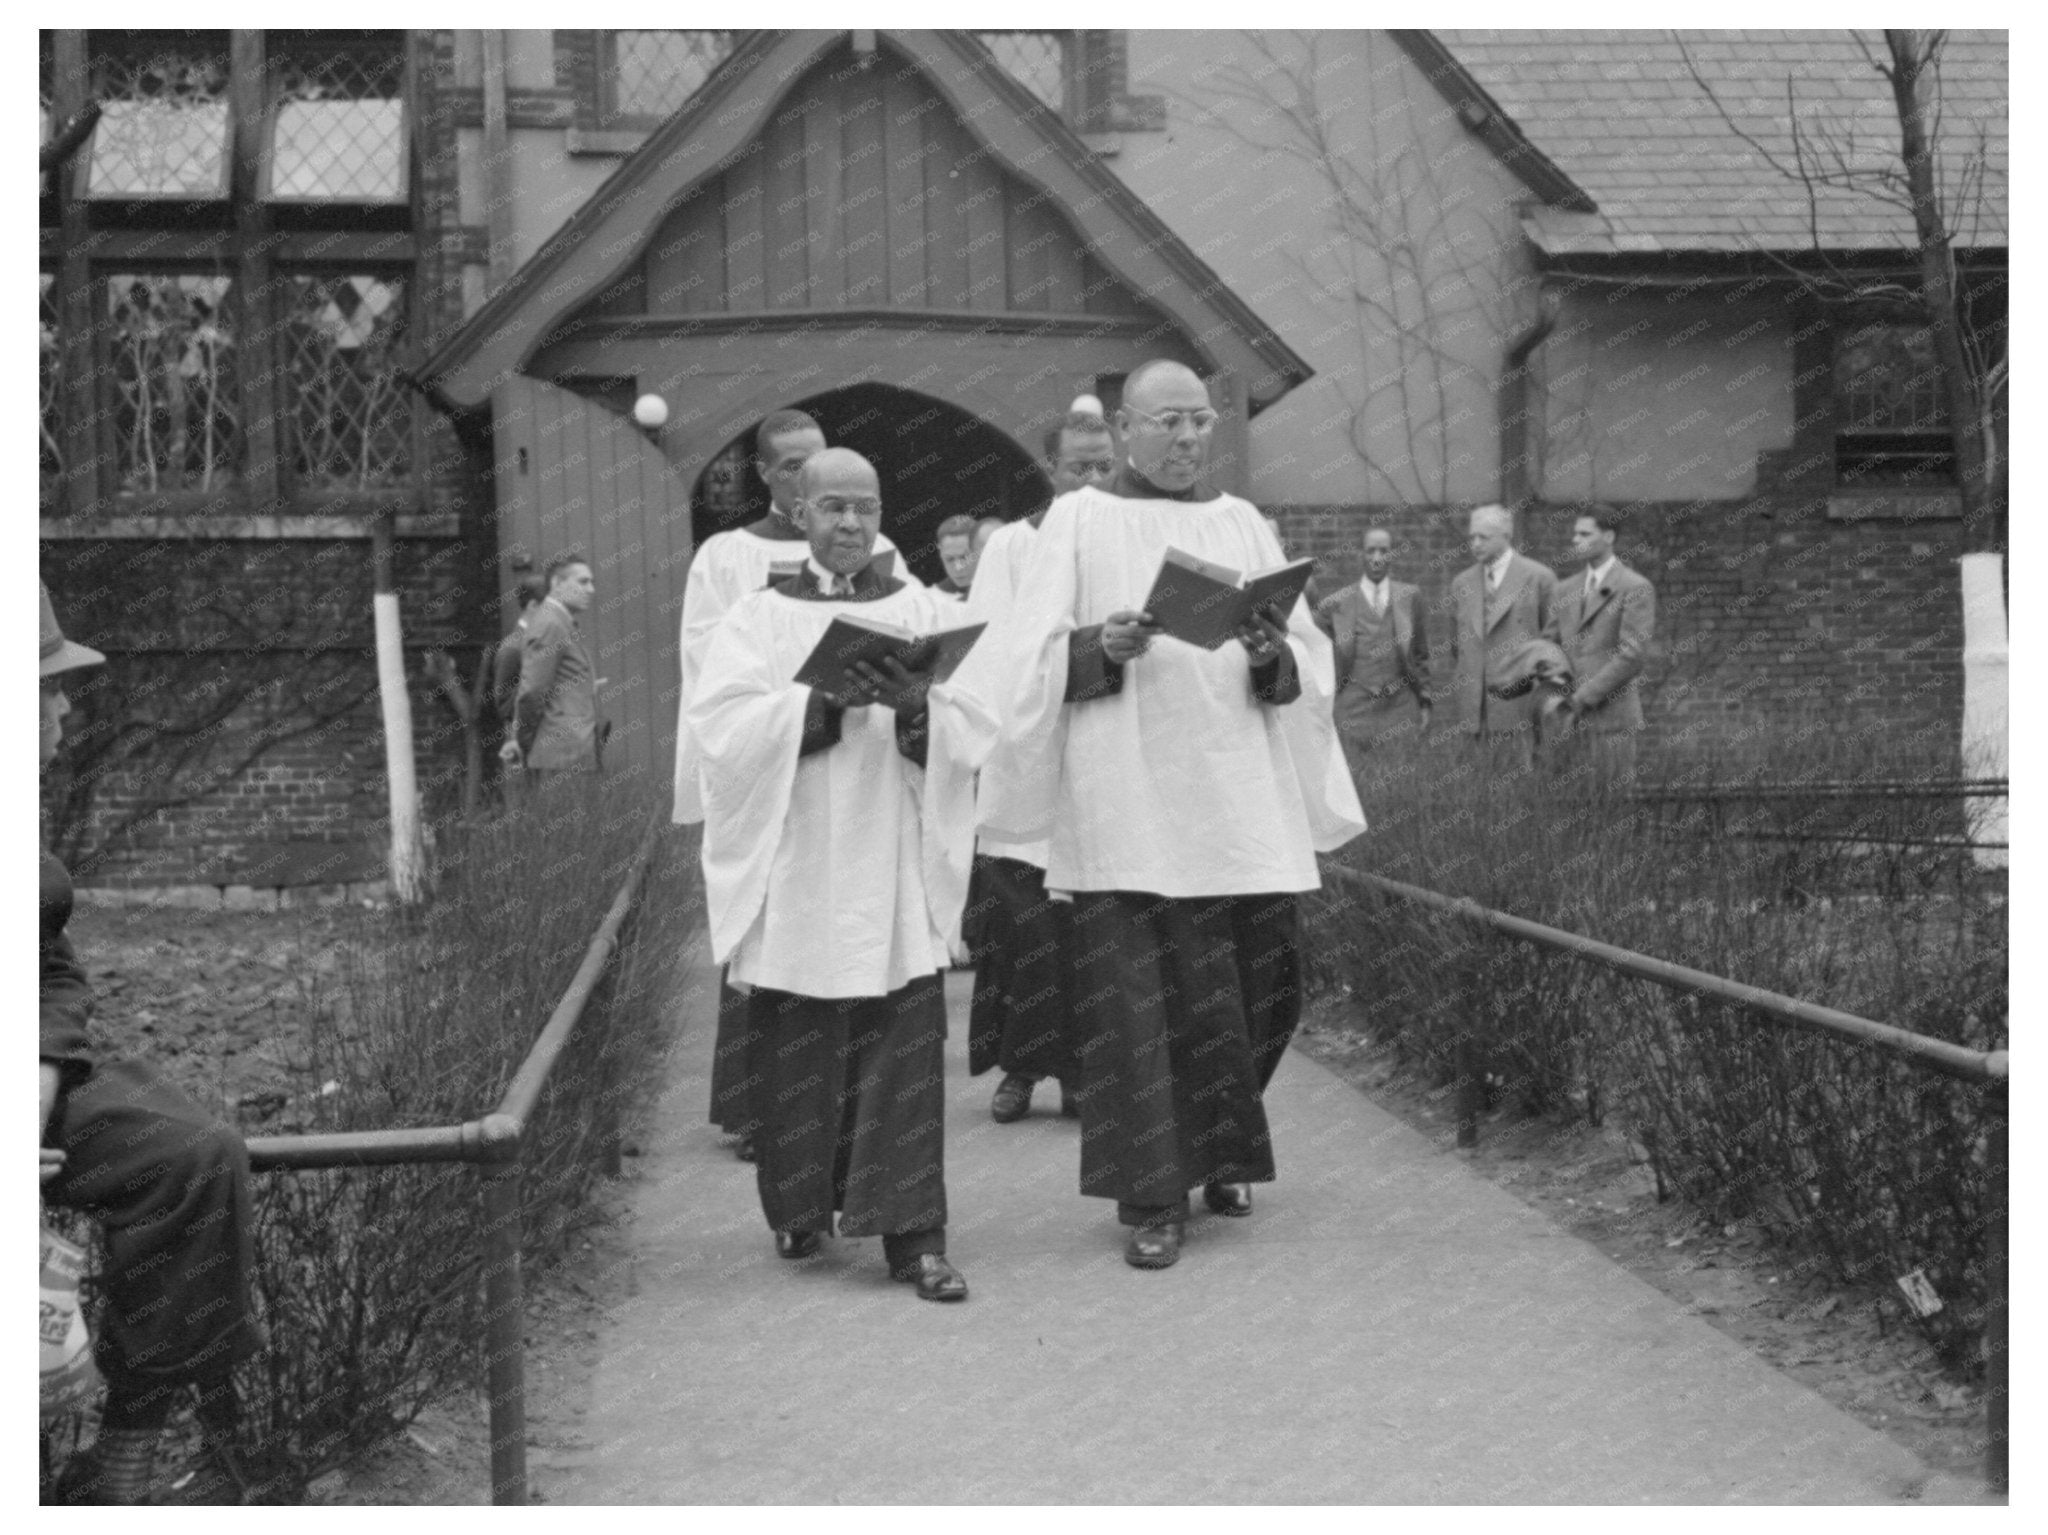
1603,570
827,580
1366,583
1497,571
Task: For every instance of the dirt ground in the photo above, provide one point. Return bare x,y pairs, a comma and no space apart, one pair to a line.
212,996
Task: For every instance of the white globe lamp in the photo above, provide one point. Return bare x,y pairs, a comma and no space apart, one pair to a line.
650,412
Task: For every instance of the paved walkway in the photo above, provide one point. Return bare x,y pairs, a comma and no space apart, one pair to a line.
1386,1328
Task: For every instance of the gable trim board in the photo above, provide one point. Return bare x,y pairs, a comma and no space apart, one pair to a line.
611,231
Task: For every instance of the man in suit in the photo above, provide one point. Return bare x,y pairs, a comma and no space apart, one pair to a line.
1499,603
1382,646
1604,623
555,715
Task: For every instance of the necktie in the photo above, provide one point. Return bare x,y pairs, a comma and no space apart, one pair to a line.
1493,578
842,586
1592,588
1379,599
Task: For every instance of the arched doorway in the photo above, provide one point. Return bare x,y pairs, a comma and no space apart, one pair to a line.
935,461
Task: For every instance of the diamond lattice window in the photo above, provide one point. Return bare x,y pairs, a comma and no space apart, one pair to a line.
351,420
1038,60
337,132
171,356
163,128
1891,417
52,374
654,73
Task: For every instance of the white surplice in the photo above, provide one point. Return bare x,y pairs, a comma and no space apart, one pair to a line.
840,874
1182,784
998,577
730,565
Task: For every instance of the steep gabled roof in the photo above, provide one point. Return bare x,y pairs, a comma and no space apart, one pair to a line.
1621,114
610,230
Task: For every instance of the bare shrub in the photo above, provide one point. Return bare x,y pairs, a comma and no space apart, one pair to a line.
1855,1163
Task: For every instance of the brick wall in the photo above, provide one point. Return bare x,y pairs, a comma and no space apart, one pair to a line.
262,648
1771,615
258,655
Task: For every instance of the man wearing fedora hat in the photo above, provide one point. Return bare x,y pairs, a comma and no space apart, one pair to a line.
168,1185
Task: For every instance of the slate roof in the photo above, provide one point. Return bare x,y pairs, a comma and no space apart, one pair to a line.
1619,113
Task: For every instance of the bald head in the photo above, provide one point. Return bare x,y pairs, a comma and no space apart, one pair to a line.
1166,423
1490,532
839,497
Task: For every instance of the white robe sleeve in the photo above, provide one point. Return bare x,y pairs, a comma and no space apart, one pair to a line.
748,729
704,604
946,808
1308,725
1011,689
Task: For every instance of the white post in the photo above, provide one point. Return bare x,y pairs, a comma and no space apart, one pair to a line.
398,765
1984,700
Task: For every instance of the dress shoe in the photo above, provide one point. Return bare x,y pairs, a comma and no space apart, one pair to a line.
1154,1247
743,1148
796,1244
1228,1198
935,1278
1012,1100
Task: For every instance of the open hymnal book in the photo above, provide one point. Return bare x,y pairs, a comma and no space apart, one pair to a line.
851,639
1205,604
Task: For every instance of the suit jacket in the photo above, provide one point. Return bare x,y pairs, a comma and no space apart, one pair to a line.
1485,630
1338,617
557,708
1606,641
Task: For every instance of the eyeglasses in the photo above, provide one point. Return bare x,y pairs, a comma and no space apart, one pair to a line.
1203,421
839,506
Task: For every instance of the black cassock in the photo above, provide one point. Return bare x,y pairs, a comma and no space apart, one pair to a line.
852,1102
1023,1012
1187,1006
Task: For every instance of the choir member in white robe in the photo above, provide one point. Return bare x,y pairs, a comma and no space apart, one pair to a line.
725,569
837,835
1022,1018
1184,793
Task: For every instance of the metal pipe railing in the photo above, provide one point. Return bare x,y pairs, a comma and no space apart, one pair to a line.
496,1143
1991,1068
1829,788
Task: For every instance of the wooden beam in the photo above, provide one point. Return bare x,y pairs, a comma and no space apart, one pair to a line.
261,306
497,162
84,430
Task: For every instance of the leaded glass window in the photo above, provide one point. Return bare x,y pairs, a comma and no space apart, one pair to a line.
1037,60
163,128
52,376
1891,415
651,74
344,338
173,362
337,131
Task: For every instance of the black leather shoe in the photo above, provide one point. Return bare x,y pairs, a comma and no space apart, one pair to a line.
743,1148
1154,1247
1228,1198
935,1278
1012,1100
795,1244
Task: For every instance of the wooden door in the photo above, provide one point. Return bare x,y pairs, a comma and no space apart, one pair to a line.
573,475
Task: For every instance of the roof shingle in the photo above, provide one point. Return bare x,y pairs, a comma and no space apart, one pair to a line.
1620,113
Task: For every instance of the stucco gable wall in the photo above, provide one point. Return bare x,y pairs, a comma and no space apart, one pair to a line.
1400,303
1651,395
